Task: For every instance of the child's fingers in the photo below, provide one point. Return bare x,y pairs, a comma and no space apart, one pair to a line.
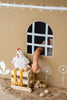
40,68
33,70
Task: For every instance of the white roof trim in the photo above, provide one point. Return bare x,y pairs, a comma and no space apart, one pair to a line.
34,6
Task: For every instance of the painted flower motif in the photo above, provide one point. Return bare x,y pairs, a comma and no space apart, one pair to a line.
63,69
47,70
3,67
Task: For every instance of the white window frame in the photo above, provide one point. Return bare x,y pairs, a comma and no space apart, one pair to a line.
46,36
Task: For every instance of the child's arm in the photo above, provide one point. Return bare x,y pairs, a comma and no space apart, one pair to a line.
35,65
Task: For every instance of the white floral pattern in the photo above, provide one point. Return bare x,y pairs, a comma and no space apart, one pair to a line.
47,70
63,69
3,67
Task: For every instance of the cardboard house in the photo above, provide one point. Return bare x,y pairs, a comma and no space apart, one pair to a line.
23,27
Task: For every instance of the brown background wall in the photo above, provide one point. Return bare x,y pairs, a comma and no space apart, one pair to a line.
13,34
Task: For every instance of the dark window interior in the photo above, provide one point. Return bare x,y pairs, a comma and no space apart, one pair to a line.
50,41
49,51
29,49
50,31
38,39
30,29
29,38
40,27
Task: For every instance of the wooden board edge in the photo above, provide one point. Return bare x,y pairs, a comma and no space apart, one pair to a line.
27,89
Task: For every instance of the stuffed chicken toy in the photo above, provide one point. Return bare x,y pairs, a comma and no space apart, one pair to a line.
20,62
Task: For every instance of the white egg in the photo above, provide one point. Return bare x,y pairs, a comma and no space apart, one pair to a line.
46,91
42,94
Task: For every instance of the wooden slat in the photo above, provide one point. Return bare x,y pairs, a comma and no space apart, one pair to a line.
25,74
27,89
25,81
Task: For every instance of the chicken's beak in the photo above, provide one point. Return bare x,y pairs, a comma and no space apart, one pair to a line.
17,54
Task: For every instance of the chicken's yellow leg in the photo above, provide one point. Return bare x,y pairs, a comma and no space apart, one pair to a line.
15,81
21,75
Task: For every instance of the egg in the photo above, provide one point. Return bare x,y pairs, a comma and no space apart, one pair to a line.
46,91
42,94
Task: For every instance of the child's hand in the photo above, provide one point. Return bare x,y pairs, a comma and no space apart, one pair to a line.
35,67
